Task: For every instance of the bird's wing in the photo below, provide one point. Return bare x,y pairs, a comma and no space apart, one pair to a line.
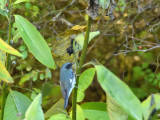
64,91
68,85
71,84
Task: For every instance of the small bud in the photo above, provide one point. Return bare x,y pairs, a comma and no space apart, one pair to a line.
7,4
140,47
14,62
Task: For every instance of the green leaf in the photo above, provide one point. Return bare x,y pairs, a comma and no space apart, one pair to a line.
48,73
55,109
59,117
34,75
3,10
104,3
16,106
34,41
4,75
25,54
22,48
151,103
41,76
79,39
51,90
24,79
20,1
35,112
119,92
80,113
7,48
3,4
115,111
95,111
85,81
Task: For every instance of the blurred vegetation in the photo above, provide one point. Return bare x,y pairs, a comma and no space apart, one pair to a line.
128,45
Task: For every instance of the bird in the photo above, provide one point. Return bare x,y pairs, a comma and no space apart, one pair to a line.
67,81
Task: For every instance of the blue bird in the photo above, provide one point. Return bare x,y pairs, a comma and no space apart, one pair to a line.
67,81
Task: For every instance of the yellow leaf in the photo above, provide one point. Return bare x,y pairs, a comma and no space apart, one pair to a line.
4,75
74,30
7,48
78,27
2,57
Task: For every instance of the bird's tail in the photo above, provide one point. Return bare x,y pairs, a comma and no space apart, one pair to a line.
66,103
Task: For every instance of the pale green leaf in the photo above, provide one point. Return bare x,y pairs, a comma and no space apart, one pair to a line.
85,81
119,92
95,111
41,76
20,1
56,109
150,104
35,112
34,41
115,111
59,117
3,4
16,106
79,40
80,113
24,79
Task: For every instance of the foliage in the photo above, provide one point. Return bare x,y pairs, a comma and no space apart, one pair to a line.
16,106
124,37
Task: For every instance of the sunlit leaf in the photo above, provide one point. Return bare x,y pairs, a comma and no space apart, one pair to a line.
34,41
16,106
115,111
35,112
3,4
74,30
119,92
80,113
59,117
20,1
85,81
4,75
95,111
41,76
7,48
79,40
150,104
56,109
25,78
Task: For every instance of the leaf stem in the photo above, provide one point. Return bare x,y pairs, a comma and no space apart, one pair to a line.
5,87
79,68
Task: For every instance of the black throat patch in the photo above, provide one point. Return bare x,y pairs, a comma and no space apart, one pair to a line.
69,66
